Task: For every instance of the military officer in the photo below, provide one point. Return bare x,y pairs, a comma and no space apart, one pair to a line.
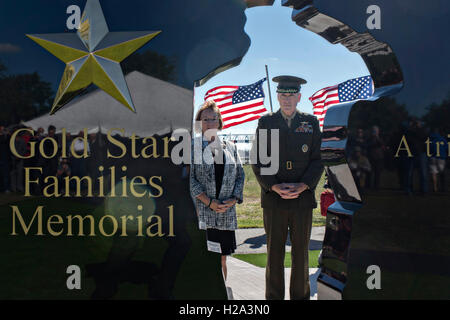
287,197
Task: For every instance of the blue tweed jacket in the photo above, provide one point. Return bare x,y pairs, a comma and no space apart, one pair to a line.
202,179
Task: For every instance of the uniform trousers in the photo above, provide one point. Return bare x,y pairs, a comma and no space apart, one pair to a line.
277,223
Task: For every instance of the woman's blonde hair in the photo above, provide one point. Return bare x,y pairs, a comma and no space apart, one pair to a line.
209,104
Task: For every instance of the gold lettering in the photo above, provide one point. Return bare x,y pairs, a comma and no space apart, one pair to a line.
50,222
133,183
28,181
80,225
101,225
166,147
124,224
55,147
158,224
78,180
26,228
428,142
64,143
116,143
53,185
133,147
124,183
139,219
448,144
156,186
101,182
112,171
12,144
171,234
403,141
85,146
153,146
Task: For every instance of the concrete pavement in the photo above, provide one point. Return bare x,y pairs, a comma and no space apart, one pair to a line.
246,281
254,240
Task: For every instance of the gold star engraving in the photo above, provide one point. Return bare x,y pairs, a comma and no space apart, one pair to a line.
93,56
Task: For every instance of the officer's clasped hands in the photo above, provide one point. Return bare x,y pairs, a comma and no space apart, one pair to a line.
289,190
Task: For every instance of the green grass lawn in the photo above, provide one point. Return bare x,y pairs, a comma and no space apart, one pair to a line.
260,259
249,213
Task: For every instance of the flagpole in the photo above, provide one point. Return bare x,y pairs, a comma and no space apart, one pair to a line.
268,85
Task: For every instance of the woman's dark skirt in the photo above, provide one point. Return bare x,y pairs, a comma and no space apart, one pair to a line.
223,239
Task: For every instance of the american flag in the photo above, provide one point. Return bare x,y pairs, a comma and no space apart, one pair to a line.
354,89
239,104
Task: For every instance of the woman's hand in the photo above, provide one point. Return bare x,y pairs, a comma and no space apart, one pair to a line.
224,206
218,207
229,202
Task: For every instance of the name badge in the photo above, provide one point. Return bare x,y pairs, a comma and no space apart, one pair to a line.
214,246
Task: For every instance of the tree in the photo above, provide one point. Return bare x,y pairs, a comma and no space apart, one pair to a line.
2,70
385,113
23,97
438,116
152,64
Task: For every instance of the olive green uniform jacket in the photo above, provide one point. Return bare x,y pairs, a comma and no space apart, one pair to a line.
299,159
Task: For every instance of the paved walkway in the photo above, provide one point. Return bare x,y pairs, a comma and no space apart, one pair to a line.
254,240
246,281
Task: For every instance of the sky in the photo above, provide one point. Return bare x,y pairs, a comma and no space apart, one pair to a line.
287,49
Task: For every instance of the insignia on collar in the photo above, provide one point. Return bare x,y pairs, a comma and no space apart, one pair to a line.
305,127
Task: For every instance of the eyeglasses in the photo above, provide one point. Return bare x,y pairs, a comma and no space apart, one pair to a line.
210,120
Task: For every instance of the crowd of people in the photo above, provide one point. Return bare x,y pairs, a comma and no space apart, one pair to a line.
412,151
12,177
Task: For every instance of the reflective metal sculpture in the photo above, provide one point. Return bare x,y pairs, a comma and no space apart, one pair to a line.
93,56
386,73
